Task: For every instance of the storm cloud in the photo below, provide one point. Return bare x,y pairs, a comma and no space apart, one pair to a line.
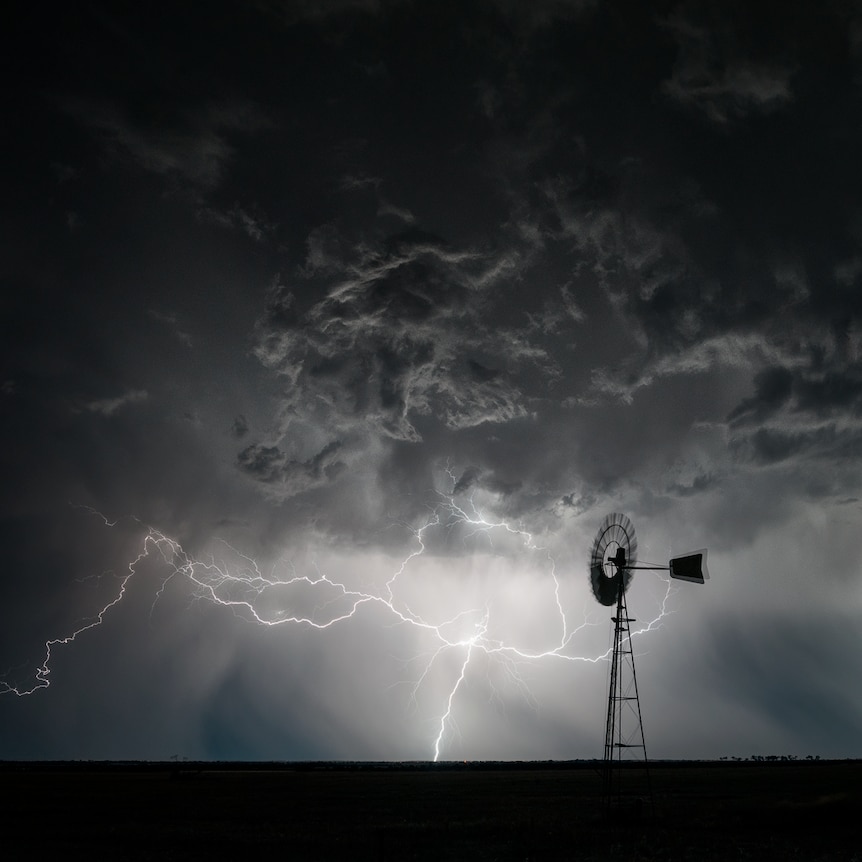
387,303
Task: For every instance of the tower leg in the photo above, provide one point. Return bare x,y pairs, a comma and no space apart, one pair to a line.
624,727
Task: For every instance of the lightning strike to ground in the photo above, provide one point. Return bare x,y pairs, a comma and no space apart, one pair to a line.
242,588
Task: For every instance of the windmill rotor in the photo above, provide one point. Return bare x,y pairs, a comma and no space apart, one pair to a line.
613,555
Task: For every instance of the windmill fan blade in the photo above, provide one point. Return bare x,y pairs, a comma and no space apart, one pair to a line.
605,589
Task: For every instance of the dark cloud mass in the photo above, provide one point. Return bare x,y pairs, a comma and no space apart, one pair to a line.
395,336
327,289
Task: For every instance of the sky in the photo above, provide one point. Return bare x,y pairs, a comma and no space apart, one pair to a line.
332,332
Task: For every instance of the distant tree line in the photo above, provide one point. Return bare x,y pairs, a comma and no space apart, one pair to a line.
762,758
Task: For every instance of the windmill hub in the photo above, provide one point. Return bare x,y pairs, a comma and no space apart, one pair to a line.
618,560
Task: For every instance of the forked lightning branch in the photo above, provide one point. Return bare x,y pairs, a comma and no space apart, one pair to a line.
462,634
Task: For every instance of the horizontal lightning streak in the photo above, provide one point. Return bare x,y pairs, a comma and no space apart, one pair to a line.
242,588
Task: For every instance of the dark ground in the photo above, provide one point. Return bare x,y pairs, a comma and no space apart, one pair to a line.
544,811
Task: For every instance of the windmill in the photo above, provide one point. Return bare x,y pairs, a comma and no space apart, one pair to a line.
613,559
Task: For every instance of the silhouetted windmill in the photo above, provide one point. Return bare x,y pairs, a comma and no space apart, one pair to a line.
612,561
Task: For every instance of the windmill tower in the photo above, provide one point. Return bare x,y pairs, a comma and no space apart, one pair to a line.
612,560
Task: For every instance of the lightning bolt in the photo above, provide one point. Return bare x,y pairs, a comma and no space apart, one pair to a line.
252,594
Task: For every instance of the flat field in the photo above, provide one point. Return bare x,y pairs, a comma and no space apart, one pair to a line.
537,811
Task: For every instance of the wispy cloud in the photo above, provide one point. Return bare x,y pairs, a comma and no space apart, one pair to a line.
249,220
194,147
171,321
715,75
110,406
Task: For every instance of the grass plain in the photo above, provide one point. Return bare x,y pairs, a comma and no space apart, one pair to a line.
527,811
